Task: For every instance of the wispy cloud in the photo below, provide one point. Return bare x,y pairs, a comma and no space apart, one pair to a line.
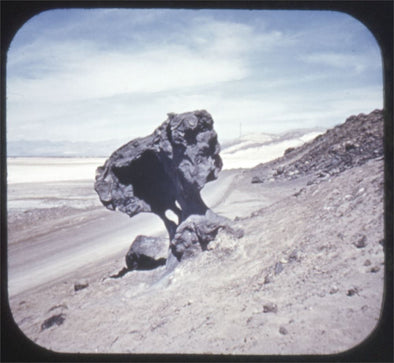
353,62
105,74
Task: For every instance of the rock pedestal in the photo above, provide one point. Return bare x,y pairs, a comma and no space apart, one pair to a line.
166,171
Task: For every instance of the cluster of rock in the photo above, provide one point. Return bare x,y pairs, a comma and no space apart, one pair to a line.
163,172
350,144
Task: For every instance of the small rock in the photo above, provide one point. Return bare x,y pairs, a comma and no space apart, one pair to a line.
268,279
360,241
270,308
293,256
278,268
375,269
333,290
256,180
289,150
349,146
280,170
364,308
367,263
283,330
53,320
352,291
80,286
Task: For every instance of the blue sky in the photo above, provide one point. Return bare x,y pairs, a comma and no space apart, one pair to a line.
93,75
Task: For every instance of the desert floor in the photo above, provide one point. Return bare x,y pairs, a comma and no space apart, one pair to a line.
306,277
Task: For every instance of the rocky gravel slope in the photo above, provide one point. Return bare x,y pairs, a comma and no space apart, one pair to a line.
305,278
350,144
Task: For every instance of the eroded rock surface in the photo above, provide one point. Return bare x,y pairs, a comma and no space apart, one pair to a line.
165,171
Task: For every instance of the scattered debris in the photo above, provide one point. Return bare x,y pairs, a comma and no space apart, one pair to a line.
350,144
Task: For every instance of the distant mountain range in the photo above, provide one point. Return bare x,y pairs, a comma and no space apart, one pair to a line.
46,148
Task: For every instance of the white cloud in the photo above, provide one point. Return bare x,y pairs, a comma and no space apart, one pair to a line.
62,85
345,61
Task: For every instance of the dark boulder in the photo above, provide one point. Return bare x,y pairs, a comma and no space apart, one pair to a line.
195,233
147,253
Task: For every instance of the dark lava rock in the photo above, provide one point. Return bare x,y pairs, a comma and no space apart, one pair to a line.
163,171
57,319
147,253
194,234
80,286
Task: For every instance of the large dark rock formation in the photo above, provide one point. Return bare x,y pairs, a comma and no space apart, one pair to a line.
166,171
163,171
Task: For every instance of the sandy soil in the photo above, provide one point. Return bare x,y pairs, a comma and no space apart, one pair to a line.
307,277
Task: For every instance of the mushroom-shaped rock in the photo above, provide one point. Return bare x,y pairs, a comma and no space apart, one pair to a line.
163,171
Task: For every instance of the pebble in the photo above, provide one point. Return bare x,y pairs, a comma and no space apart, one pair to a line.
361,241
367,263
352,291
80,286
333,290
53,320
375,269
283,330
270,308
293,256
268,279
278,268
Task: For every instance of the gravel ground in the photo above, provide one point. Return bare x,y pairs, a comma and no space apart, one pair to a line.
307,277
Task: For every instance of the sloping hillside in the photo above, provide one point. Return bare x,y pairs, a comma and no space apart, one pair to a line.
350,144
306,277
